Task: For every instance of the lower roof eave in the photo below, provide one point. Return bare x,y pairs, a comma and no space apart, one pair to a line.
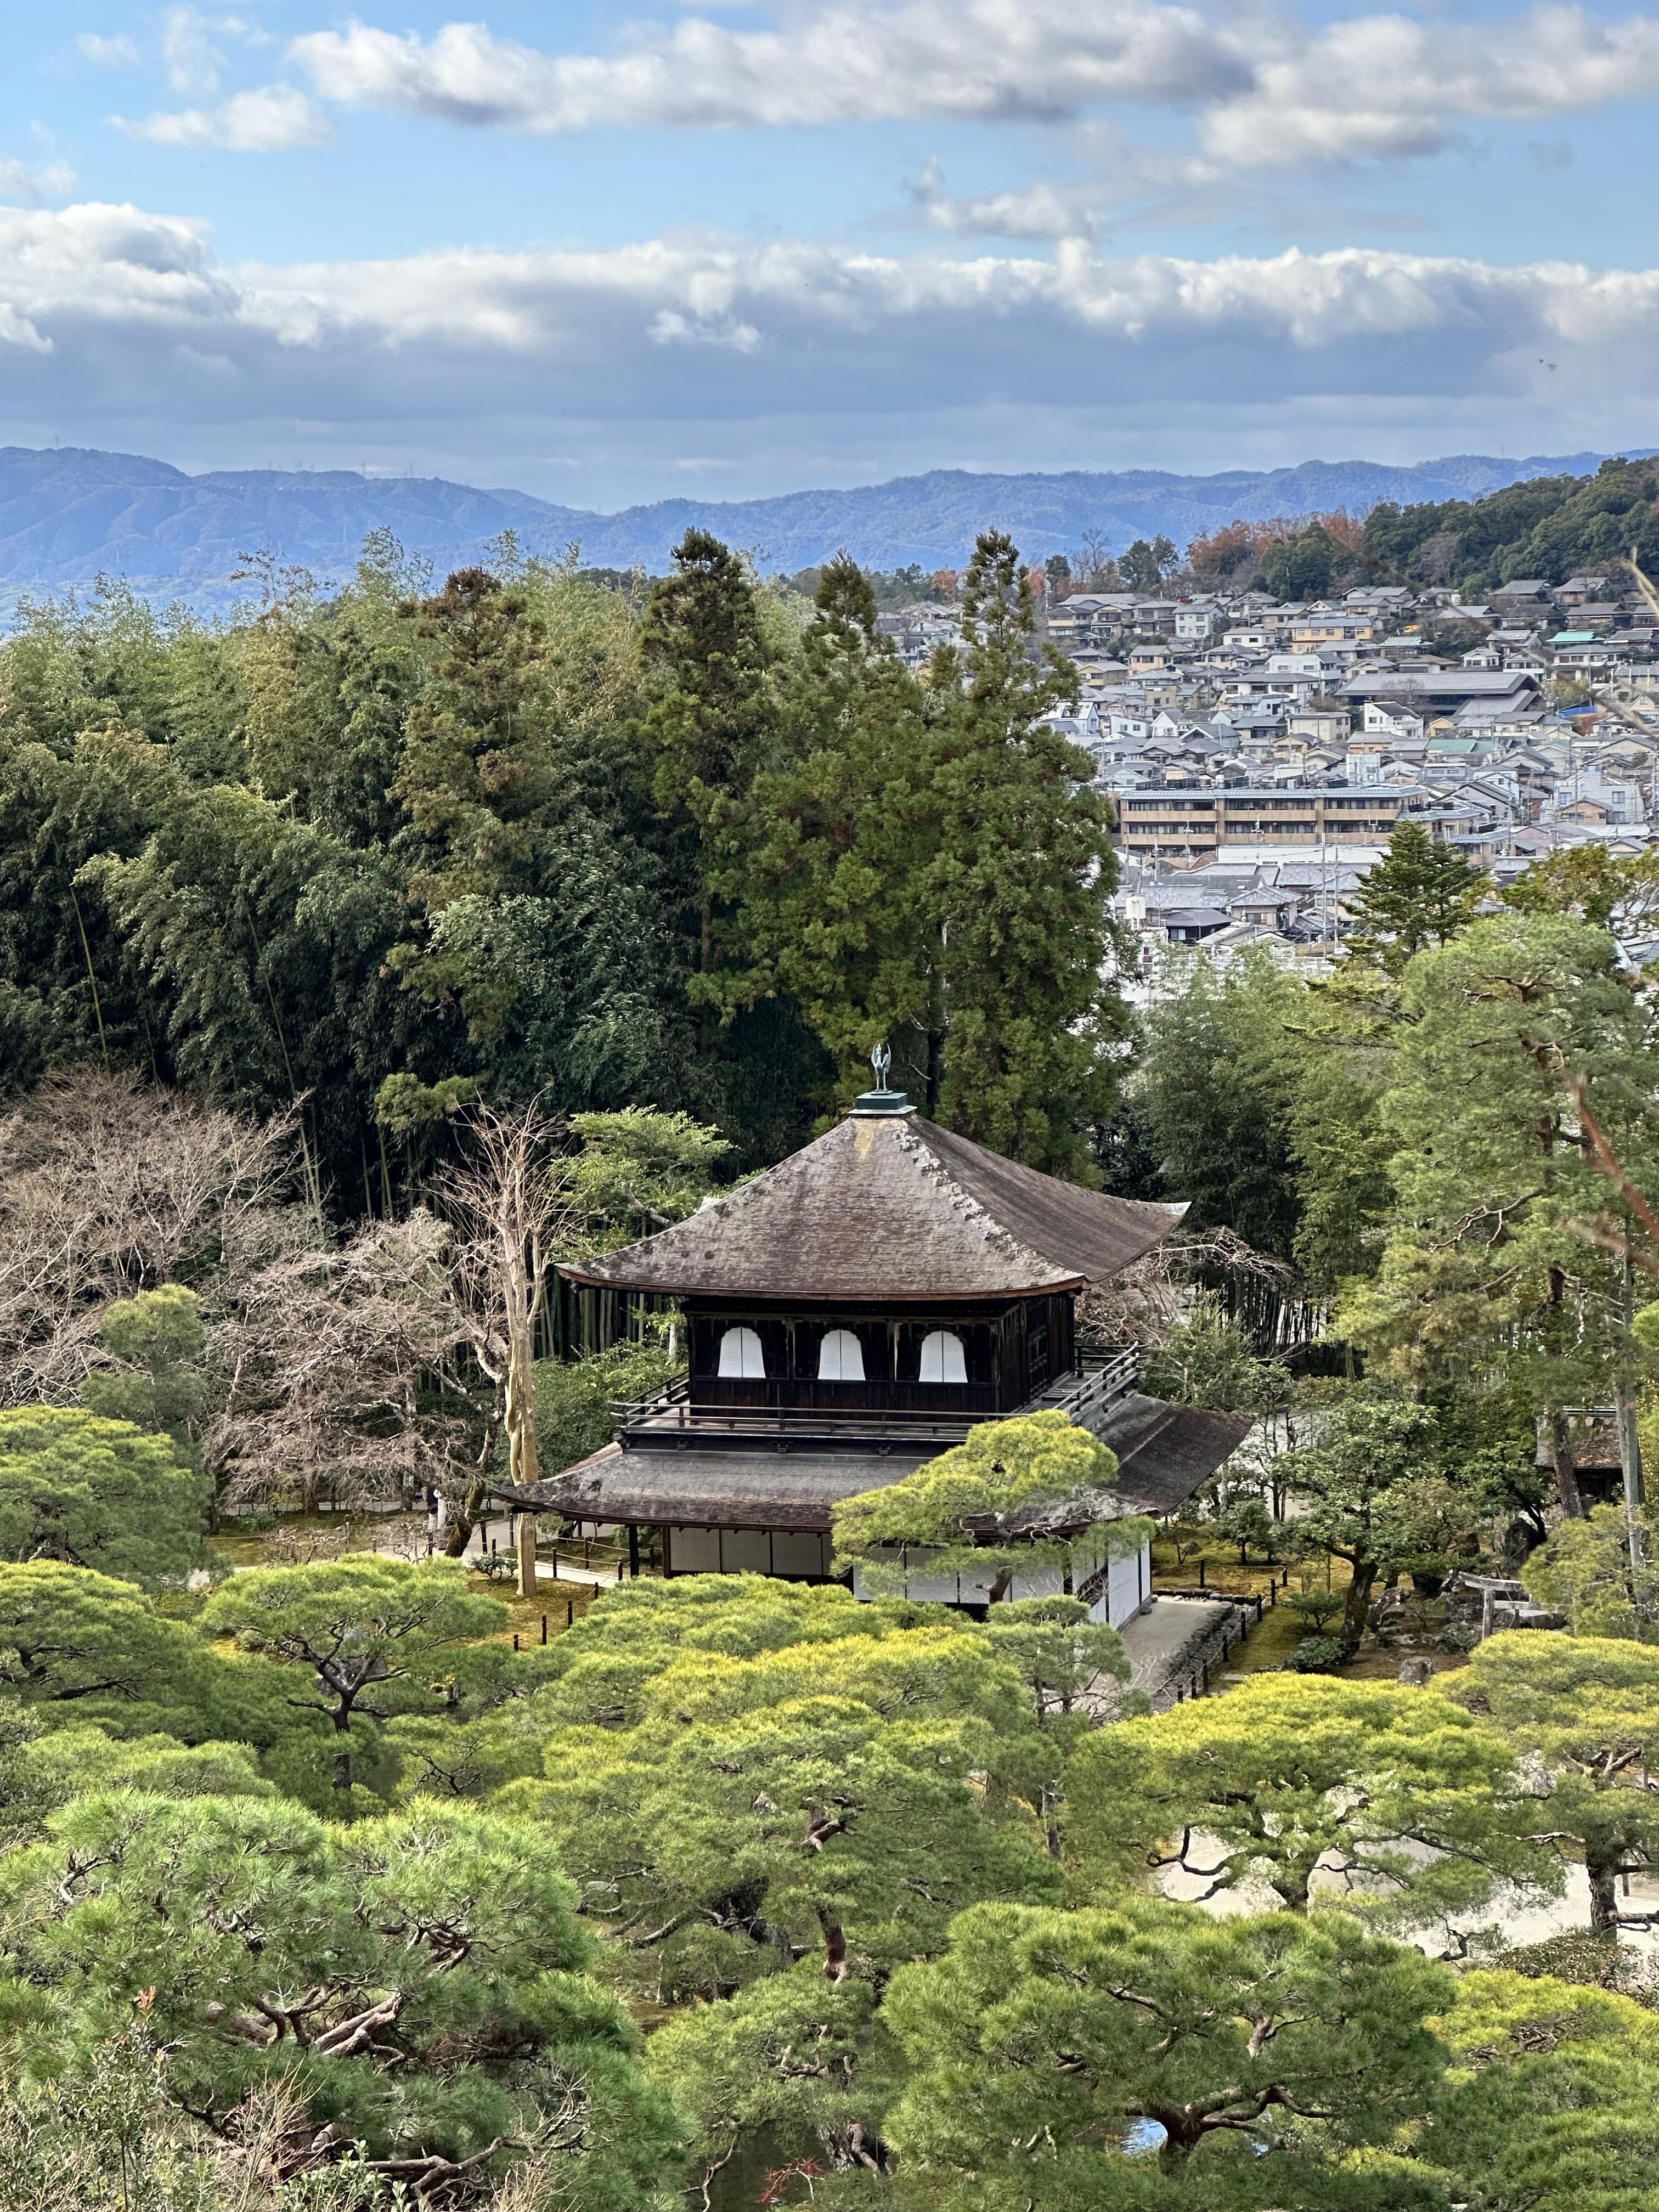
724,1489
1164,1454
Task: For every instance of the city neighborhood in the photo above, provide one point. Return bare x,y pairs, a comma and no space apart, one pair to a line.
1259,756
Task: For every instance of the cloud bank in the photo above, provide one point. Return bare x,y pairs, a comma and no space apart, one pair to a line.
113,305
1265,92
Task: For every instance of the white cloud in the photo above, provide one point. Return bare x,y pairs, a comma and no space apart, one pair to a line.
274,120
116,53
1381,86
1269,92
193,45
18,181
992,59
118,326
785,303
1039,211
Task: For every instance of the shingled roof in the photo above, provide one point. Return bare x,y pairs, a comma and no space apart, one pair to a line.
889,1207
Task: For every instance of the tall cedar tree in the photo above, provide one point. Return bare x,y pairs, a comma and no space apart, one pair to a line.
934,868
822,864
475,777
710,720
1018,888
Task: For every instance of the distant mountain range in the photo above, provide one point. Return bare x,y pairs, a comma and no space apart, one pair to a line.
68,516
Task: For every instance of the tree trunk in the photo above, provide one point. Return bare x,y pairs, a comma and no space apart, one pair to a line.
341,1719
460,1532
1565,1462
1356,1606
1602,1867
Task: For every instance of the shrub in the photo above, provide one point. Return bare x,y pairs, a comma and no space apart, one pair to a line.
1315,1655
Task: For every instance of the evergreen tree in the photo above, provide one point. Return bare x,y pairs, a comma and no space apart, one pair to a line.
821,865
475,778
1425,893
710,718
1585,1711
1495,1260
96,1493
1405,1808
1022,1018
1248,2059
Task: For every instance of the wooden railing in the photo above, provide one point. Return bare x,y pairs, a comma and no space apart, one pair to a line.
675,1414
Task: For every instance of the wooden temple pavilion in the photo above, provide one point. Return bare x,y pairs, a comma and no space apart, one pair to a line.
852,1313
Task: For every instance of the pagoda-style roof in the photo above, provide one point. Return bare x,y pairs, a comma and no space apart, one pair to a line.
887,1208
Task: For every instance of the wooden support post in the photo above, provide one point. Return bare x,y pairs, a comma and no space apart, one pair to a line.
527,1556
633,1551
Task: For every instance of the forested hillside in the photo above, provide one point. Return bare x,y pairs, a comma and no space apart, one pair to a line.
1552,527
1549,527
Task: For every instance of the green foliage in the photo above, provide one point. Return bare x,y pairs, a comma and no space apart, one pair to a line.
1209,1360
404,1104
1492,1268
1411,1809
1549,527
1246,1522
1265,2052
929,864
1259,1102
1146,566
963,1509
1369,1495
725,1814
574,1399
96,1493
80,1650
1301,566
416,1982
788,2054
1423,894
1586,1709
157,1340
1316,1654
1058,1653
640,1170
1589,883
71,1637
1553,2099
369,1637
1599,1574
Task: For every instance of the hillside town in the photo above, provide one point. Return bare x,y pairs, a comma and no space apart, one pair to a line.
1259,755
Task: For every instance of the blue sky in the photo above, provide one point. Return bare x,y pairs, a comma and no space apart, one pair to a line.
614,254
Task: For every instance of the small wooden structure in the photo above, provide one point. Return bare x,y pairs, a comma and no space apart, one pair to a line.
851,1314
